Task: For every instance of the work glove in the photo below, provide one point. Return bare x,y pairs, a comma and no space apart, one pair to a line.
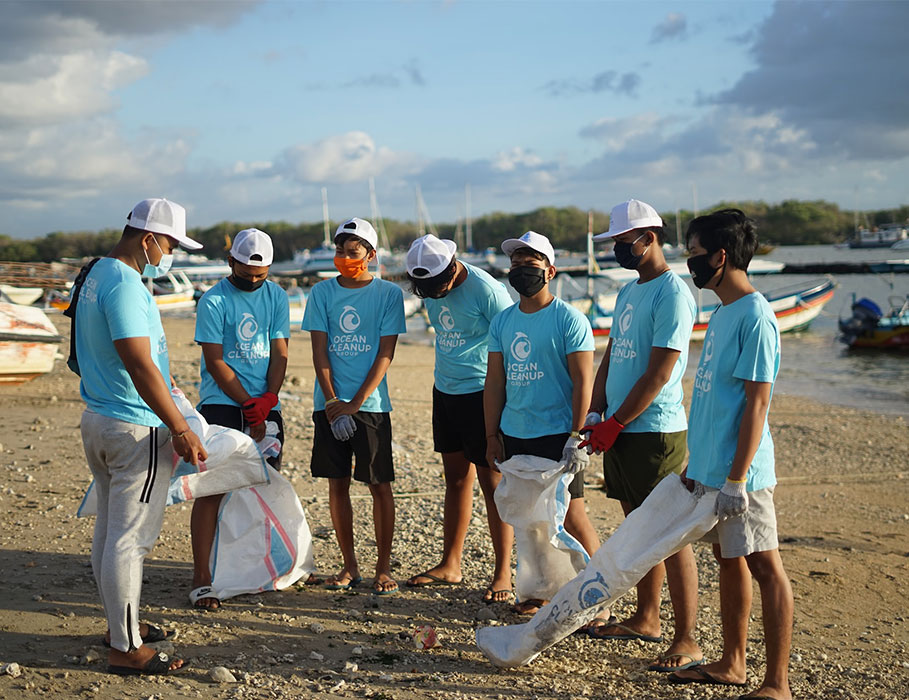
732,500
592,419
256,410
343,427
573,456
601,436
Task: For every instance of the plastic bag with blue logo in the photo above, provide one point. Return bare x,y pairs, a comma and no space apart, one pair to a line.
668,519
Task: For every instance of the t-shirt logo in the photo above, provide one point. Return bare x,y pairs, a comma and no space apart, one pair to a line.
247,327
625,318
703,379
520,347
708,348
349,320
445,318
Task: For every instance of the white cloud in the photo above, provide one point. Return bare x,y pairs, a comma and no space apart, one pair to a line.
514,158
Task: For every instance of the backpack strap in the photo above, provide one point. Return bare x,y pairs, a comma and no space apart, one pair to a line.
73,362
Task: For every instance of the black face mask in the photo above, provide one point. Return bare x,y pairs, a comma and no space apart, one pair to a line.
624,256
245,285
701,270
527,281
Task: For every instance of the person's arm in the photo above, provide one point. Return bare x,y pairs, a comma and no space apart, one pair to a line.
222,373
598,397
659,371
374,377
277,365
580,368
757,400
135,353
321,363
493,403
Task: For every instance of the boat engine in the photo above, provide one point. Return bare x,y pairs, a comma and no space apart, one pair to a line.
865,315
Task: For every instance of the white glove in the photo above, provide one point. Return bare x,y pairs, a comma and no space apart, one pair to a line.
732,500
573,458
591,419
343,427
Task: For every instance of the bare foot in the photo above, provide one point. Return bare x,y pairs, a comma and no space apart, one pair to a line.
138,658
499,589
714,671
766,691
343,580
627,629
681,653
530,606
383,584
437,575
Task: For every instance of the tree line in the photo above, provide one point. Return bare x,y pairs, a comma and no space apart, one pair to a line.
791,222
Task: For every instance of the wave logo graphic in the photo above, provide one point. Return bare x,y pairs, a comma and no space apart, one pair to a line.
349,320
520,347
247,328
625,318
708,348
593,591
445,318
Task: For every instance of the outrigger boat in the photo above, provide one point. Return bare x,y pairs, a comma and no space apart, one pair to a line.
869,327
172,292
28,343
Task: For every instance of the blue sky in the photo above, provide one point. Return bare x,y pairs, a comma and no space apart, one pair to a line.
244,110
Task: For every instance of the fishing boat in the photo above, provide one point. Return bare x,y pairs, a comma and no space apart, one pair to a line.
172,292
883,236
870,327
28,343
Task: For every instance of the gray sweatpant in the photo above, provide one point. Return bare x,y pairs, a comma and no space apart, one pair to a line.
132,465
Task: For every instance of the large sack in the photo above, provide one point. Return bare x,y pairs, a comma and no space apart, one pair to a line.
666,521
262,542
533,498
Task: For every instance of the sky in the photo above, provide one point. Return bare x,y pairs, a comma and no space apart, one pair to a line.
244,110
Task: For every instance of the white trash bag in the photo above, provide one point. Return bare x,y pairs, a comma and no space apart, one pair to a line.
666,521
262,541
533,498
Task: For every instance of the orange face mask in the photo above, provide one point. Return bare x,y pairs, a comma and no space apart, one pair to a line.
351,268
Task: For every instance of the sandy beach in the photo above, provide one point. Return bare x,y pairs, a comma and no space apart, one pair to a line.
842,504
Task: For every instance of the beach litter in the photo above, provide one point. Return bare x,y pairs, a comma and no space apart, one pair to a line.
425,637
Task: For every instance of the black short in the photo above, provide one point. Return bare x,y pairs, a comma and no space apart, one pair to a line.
458,425
548,446
232,417
370,444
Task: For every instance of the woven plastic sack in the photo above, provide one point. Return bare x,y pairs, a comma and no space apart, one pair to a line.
533,498
668,519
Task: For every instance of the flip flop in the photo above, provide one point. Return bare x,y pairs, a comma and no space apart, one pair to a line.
201,593
154,634
158,665
528,607
338,586
492,595
627,634
595,622
704,678
660,667
384,591
755,697
433,581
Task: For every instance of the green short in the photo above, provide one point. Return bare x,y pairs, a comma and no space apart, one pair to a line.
637,462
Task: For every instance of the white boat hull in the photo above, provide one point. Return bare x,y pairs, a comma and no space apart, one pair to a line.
28,344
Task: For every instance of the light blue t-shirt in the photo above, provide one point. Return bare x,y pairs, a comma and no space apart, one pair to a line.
655,314
742,344
461,322
535,349
355,320
114,304
243,324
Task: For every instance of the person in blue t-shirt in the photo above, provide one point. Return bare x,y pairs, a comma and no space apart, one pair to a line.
131,426
243,327
354,321
639,388
730,450
539,379
460,301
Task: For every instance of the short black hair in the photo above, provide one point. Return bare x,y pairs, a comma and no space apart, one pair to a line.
528,252
729,229
342,238
431,286
659,232
132,231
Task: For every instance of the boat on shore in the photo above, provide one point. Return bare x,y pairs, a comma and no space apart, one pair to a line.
28,343
172,292
883,236
869,327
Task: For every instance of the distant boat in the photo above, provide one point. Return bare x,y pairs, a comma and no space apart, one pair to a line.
884,236
869,327
28,343
172,292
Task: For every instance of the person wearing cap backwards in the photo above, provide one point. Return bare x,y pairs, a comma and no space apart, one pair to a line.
131,426
731,451
461,300
639,387
243,326
354,321
539,379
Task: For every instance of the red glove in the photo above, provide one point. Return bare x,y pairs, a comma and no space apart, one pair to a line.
256,410
602,435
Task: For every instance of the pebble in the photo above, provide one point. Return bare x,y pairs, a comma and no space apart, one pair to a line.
11,669
356,651
219,674
317,628
316,656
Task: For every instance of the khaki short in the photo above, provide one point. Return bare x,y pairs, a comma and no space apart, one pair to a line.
637,462
753,531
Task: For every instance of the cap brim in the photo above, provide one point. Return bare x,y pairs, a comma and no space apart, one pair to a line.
606,235
186,242
510,245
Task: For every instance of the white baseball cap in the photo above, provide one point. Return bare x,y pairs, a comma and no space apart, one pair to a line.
628,216
532,240
429,256
361,228
253,247
162,216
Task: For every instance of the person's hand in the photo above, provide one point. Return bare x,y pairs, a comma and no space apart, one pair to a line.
495,453
574,457
591,419
732,500
256,410
188,445
343,427
686,482
601,436
257,431
337,408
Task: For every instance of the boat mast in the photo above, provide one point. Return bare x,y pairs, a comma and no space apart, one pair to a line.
469,235
591,259
380,225
326,224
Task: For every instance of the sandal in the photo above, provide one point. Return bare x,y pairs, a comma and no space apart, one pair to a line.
158,665
154,634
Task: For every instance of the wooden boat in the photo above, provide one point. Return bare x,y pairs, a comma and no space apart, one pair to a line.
21,295
869,327
28,343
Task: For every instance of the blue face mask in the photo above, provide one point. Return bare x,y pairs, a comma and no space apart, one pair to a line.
163,266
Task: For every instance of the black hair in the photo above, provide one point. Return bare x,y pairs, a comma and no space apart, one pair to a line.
528,252
659,232
728,229
132,231
432,286
342,238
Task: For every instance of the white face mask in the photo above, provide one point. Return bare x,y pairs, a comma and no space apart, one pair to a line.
163,266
